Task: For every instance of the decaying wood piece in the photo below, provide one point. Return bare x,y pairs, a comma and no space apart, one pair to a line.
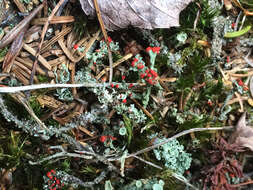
25,72
48,101
74,113
72,68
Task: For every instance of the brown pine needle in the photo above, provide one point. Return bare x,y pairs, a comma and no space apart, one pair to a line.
42,38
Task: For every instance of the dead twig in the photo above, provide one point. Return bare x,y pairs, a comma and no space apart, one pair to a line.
175,137
106,39
143,109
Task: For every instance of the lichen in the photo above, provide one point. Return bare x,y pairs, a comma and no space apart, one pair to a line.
173,155
64,77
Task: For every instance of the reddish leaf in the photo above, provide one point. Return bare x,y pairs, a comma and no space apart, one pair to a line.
243,134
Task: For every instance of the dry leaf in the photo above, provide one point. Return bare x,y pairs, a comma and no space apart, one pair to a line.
148,14
243,134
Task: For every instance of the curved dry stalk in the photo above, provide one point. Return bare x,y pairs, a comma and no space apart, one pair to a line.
173,138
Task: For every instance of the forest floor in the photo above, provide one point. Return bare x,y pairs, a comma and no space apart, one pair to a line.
160,109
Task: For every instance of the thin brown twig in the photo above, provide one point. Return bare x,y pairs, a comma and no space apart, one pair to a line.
143,109
106,38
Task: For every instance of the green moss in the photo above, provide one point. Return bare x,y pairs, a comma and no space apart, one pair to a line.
42,79
35,105
3,52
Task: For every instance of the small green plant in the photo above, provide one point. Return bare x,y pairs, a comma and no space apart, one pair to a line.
12,153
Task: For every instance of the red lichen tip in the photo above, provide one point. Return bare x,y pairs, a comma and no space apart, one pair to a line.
156,49
240,82
142,75
140,66
148,49
245,88
112,137
130,85
134,61
109,39
228,59
49,175
75,46
153,73
210,103
112,85
116,86
124,101
103,138
150,81
123,77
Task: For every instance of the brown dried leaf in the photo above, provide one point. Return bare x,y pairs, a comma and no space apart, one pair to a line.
13,51
148,14
10,36
243,134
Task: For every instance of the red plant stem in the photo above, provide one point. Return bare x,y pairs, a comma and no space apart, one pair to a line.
244,183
